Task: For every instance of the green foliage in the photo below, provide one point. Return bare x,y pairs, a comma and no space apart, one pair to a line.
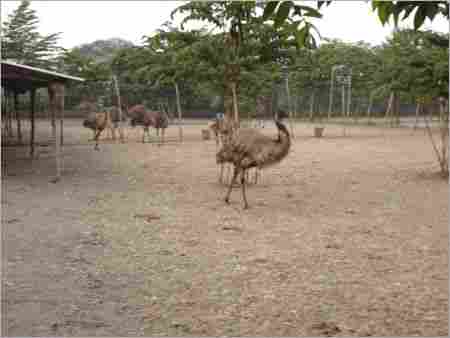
280,12
414,64
422,9
22,43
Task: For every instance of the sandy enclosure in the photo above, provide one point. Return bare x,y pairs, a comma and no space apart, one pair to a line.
348,236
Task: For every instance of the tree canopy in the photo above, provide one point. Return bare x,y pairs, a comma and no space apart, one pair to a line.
22,43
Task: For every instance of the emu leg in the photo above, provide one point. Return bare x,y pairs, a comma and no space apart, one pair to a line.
221,173
227,197
143,135
243,176
97,135
113,132
161,137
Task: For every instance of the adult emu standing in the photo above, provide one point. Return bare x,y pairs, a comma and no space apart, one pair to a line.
249,148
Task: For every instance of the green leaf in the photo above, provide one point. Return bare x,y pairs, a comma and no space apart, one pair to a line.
283,13
301,36
269,9
420,17
312,12
431,10
408,11
384,12
320,3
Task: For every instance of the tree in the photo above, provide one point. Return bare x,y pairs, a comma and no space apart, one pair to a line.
280,10
238,21
22,42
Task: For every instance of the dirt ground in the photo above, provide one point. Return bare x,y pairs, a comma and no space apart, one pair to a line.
348,236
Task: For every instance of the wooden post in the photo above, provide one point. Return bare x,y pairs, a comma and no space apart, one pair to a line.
180,129
32,111
10,115
16,110
5,111
56,104
119,104
61,126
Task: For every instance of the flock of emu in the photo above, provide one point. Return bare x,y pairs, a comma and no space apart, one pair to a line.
241,148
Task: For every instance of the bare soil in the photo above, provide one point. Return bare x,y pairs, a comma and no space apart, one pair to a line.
348,236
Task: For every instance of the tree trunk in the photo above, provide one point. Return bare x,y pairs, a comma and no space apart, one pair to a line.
231,83
235,104
389,107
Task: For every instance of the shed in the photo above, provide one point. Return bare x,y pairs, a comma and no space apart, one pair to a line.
19,79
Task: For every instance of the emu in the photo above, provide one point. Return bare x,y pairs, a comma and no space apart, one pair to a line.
140,116
98,121
249,148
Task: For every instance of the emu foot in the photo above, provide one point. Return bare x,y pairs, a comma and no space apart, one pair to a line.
96,148
246,206
227,200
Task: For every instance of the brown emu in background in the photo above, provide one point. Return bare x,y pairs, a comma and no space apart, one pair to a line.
98,121
249,148
156,119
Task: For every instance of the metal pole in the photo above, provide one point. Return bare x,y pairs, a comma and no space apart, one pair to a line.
180,130
349,99
289,105
330,106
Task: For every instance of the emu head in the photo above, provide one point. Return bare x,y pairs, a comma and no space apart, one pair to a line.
90,121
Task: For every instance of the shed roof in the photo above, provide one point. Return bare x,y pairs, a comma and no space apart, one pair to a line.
22,78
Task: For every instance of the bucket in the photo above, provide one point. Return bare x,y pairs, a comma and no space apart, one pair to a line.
318,131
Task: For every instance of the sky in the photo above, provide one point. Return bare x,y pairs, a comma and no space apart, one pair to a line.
86,21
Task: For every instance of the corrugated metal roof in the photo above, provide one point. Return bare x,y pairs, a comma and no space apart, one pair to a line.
40,70
22,78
